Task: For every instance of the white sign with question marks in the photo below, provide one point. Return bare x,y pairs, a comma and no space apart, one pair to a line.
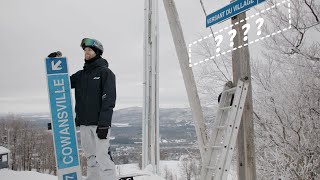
223,38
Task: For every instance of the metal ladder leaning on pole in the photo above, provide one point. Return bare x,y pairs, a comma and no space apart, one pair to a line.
224,135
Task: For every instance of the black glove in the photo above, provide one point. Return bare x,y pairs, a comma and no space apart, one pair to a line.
102,132
55,54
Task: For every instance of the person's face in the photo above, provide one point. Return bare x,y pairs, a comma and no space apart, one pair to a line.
88,53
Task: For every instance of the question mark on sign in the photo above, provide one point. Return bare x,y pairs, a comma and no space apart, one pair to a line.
247,27
233,32
219,39
259,22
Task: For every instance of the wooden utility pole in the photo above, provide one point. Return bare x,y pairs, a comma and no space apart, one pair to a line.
241,69
187,73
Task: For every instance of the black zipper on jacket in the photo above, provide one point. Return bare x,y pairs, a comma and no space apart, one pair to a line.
85,96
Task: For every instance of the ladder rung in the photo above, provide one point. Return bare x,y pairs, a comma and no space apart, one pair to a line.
226,108
221,127
230,90
217,147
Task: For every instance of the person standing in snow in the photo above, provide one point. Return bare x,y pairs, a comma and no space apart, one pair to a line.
95,94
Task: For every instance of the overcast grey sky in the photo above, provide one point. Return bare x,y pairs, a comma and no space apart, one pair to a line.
31,29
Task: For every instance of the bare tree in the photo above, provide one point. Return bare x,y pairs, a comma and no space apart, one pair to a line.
190,168
168,175
30,148
287,96
45,154
186,169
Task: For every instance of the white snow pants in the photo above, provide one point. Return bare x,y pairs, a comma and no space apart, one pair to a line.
99,163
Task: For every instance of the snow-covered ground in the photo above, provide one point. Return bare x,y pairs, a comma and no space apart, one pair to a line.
174,167
6,174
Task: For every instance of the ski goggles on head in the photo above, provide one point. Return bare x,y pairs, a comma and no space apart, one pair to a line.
87,42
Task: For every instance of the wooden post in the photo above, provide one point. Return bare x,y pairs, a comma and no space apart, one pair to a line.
187,73
241,69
